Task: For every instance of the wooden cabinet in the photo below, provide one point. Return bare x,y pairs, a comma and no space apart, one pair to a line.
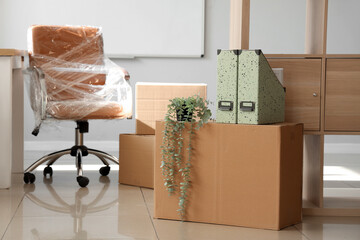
342,101
302,81
322,89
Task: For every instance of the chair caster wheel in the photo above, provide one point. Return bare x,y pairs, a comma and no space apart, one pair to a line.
83,181
48,170
29,177
104,171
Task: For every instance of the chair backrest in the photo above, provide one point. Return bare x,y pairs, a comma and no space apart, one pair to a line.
71,59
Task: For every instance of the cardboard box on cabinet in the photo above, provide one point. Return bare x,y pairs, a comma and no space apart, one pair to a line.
241,175
136,160
152,99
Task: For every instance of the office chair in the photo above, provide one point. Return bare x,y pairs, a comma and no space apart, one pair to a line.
70,79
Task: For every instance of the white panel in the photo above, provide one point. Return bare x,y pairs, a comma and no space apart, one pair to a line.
278,26
343,34
5,121
131,27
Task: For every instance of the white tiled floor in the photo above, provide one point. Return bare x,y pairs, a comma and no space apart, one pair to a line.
108,210
59,209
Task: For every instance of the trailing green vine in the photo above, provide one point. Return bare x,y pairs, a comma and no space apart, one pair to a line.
180,110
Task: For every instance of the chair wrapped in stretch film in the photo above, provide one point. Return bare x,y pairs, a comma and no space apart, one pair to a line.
71,79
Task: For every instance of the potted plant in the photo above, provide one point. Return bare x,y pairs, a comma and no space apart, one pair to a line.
193,110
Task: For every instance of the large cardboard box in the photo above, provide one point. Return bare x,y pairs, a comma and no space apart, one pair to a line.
248,91
242,175
152,99
136,160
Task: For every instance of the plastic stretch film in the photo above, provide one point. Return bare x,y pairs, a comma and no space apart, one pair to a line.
71,79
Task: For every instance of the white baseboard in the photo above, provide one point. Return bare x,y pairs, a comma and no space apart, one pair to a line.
330,148
48,146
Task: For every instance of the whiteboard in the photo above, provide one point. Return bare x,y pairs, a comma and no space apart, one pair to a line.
131,28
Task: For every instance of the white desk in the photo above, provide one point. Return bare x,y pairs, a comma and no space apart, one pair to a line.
11,115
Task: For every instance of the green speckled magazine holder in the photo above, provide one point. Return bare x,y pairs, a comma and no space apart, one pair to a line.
248,91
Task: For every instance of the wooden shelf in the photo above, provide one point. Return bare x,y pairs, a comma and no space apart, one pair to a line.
293,55
340,56
342,100
342,202
343,56
341,133
312,132
302,90
334,206
339,212
303,77
11,52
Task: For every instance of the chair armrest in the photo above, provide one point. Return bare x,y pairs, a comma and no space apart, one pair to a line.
126,73
38,93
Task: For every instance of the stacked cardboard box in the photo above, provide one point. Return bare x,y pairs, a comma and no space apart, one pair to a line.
152,99
137,160
242,175
136,150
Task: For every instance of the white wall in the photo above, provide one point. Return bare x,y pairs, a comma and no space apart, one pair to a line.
151,70
156,19
343,33
278,26
178,70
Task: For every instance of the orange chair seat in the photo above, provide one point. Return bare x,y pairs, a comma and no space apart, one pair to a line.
68,47
82,110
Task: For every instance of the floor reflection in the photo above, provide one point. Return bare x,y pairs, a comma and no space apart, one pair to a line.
77,209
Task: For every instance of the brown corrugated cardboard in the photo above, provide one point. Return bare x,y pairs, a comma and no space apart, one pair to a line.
136,160
242,175
152,99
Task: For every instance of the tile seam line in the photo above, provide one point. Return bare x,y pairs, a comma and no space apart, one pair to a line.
307,237
147,208
17,208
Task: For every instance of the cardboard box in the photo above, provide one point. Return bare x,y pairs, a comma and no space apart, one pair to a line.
248,91
242,175
152,99
136,160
